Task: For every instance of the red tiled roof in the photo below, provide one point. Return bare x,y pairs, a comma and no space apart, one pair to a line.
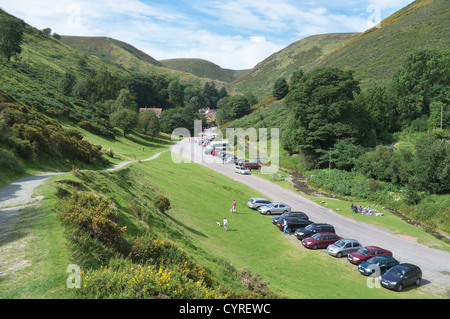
156,110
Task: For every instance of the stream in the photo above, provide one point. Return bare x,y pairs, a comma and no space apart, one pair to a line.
300,183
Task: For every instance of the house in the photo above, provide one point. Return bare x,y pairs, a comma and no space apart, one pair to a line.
157,111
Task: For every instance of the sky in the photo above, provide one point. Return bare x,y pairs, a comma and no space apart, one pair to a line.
234,34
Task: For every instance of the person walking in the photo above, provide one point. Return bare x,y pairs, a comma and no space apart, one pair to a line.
285,227
233,208
225,223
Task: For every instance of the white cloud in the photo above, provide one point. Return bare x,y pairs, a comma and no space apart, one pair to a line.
235,34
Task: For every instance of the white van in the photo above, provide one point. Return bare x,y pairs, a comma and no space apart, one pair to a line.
221,144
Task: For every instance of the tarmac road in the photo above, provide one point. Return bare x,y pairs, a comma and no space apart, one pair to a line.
435,264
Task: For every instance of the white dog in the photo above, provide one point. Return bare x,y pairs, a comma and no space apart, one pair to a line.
218,224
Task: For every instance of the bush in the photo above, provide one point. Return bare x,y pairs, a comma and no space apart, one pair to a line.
9,162
146,249
162,203
122,279
92,215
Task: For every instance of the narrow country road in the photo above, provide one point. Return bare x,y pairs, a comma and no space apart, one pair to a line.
434,263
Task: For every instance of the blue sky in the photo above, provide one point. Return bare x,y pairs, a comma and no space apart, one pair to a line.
235,34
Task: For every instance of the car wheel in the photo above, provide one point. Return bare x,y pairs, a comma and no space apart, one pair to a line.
268,212
400,287
339,255
314,246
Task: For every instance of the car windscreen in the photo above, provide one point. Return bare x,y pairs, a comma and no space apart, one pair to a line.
363,251
340,243
374,260
317,236
397,272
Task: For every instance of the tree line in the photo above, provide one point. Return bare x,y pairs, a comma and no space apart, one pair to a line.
332,117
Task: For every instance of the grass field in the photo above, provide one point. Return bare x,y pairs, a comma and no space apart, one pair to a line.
199,198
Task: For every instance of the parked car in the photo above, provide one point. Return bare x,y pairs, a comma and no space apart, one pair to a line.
241,162
252,165
343,247
294,223
274,208
231,158
320,240
380,264
277,219
366,253
313,228
254,203
401,276
241,170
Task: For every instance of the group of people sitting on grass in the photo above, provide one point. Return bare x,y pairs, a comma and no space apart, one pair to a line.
358,209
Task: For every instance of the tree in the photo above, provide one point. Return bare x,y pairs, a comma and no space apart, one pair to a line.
211,94
180,117
11,36
232,107
280,89
176,93
148,123
223,92
143,89
47,31
431,164
125,100
296,76
320,108
345,153
423,78
124,119
67,83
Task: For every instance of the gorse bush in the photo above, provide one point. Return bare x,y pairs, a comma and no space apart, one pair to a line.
145,249
138,267
126,280
162,203
26,132
92,215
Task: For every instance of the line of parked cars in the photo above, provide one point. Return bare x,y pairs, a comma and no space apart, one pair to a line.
371,260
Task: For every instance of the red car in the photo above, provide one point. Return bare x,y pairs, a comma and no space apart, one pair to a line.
366,253
320,240
251,165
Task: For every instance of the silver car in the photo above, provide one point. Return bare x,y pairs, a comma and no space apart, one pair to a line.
343,247
241,170
274,208
254,203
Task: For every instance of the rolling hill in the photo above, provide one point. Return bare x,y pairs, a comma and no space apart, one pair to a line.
128,57
203,69
377,53
302,54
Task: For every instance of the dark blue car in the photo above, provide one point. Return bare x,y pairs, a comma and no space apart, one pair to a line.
401,276
380,264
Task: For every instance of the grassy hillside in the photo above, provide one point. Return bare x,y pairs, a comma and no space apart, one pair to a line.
302,54
289,269
128,57
110,50
378,52
203,69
